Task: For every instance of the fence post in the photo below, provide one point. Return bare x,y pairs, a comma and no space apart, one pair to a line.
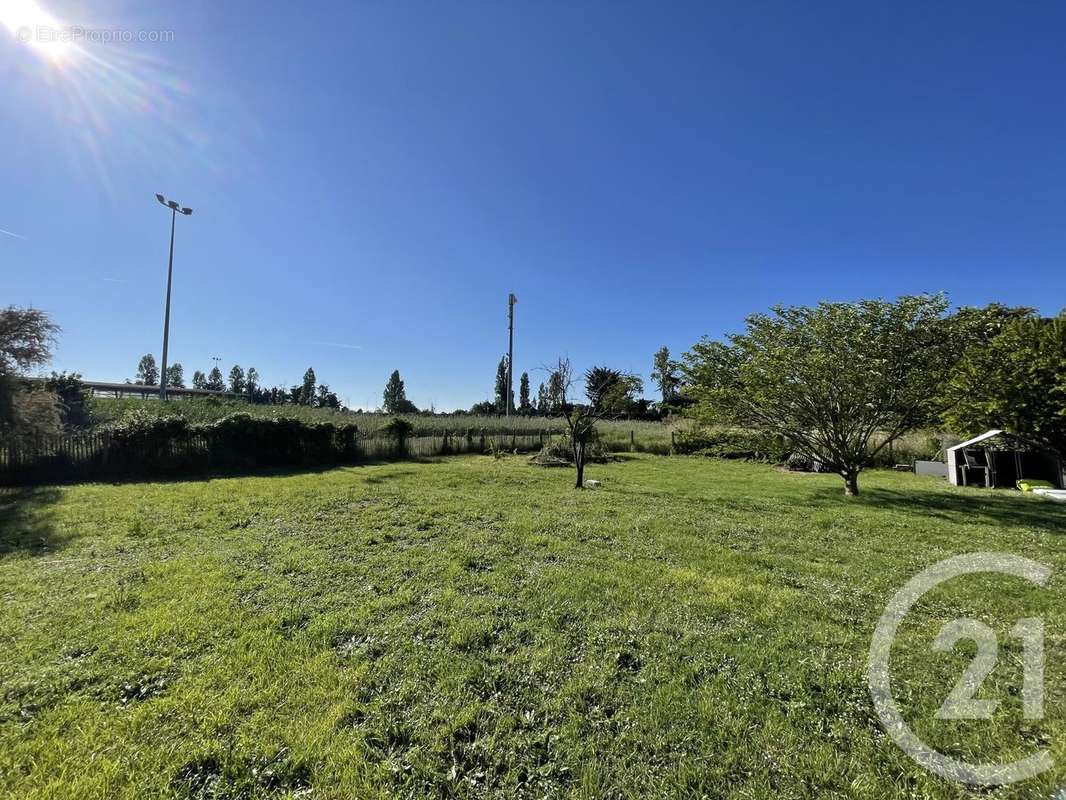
672,443
632,442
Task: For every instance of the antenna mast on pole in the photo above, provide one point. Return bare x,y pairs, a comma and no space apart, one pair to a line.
509,400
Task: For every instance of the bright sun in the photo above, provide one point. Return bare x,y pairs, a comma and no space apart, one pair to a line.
35,27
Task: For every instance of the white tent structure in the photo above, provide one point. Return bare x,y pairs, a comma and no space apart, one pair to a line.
955,453
998,458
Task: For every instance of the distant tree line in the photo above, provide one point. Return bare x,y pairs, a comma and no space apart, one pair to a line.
239,382
623,389
838,381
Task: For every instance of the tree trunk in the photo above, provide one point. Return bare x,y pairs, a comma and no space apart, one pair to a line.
851,484
579,462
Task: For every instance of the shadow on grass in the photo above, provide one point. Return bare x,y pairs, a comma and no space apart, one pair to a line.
200,474
999,507
381,477
25,521
197,473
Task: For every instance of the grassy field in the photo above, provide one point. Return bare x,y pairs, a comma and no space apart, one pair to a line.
476,628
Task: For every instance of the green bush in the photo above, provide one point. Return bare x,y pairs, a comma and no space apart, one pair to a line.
557,453
70,390
141,441
138,426
732,444
399,430
244,440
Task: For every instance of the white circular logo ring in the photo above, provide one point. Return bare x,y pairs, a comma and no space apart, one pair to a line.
881,684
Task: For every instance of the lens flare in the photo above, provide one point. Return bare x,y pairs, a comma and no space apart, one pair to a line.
36,28
120,106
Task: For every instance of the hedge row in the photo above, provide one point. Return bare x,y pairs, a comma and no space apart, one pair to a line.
237,440
746,445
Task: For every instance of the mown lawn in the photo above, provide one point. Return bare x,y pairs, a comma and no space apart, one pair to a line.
477,628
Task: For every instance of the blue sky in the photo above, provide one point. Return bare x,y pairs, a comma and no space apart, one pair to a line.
370,179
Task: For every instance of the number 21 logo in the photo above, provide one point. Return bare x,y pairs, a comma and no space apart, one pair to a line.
961,703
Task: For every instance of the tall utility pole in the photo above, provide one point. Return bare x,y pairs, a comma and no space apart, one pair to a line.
174,209
509,401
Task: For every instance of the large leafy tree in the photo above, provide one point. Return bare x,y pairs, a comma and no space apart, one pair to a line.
326,398
612,391
839,380
307,388
26,339
1016,381
251,382
664,373
236,379
176,376
523,394
501,387
395,396
214,380
147,371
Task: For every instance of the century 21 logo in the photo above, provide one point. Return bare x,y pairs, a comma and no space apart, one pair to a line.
961,702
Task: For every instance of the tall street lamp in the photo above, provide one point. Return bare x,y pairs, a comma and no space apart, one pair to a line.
174,209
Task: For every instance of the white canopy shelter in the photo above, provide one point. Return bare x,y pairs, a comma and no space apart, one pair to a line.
997,458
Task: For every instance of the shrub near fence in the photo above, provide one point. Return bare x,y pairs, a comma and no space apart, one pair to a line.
738,444
143,445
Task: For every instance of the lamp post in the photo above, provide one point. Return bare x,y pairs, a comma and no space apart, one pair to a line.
174,209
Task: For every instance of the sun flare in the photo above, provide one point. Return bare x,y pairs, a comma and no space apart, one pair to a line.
36,28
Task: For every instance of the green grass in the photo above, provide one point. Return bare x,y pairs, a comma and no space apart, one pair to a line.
476,628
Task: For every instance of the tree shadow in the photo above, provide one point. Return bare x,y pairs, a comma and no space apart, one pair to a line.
998,506
26,524
185,475
379,477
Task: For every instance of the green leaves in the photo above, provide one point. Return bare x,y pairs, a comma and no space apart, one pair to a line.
829,377
1016,380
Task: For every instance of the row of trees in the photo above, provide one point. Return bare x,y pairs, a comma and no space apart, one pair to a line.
839,381
842,381
551,397
239,382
